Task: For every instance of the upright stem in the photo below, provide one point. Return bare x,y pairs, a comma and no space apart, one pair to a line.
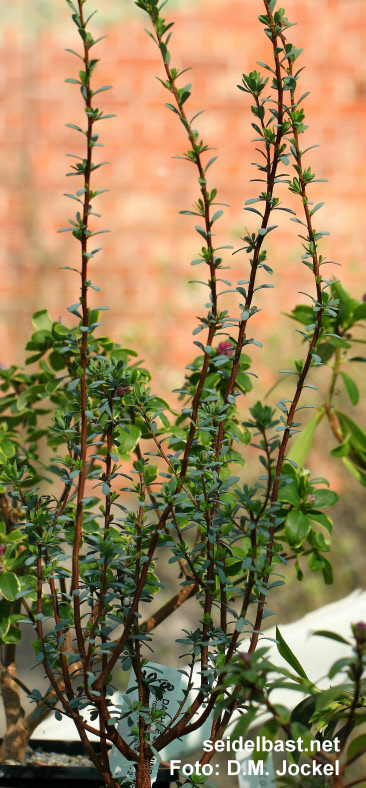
307,363
271,179
206,202
83,357
335,374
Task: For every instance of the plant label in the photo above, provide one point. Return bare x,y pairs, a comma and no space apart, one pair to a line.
169,682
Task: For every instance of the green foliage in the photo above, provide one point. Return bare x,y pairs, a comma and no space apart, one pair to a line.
101,477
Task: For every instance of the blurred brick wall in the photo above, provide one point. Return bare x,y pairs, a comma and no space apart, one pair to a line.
144,267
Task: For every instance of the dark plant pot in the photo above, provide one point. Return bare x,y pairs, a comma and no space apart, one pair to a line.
32,776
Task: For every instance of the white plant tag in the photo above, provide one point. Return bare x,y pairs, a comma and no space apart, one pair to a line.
170,681
256,775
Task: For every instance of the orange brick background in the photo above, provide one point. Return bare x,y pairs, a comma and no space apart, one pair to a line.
144,267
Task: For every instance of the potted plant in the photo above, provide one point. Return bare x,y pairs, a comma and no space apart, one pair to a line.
79,558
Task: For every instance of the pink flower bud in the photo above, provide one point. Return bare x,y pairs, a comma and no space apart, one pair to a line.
246,657
225,349
121,390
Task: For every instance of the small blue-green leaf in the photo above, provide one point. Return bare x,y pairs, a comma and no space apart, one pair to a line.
201,231
210,162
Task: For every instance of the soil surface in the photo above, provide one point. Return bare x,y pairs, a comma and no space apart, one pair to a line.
39,757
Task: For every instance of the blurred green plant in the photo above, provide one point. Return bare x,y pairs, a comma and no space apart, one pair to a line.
337,350
313,737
